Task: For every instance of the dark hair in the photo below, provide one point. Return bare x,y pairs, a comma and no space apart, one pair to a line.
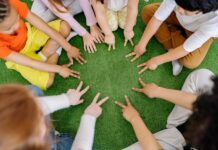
202,128
204,6
4,9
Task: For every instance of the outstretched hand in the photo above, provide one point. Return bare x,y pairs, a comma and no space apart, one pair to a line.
151,64
74,95
149,89
129,112
66,72
94,109
74,53
128,35
138,51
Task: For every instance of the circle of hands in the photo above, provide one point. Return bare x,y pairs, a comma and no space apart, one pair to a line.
89,40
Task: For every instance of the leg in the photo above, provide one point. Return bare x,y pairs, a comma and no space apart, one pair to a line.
51,46
195,58
112,19
122,15
197,82
169,34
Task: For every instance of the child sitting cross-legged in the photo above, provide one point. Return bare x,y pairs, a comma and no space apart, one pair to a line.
20,42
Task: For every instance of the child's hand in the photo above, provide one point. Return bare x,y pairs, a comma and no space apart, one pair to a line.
110,40
128,35
129,112
65,72
97,34
74,95
149,89
94,109
151,64
88,42
74,53
138,51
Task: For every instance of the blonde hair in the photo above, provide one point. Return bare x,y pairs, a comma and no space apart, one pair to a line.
20,116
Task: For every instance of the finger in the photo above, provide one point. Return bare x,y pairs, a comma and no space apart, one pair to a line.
71,60
142,82
69,64
125,43
82,59
89,49
109,48
81,101
131,42
103,101
94,47
74,75
127,100
79,86
75,72
141,65
79,61
120,104
96,98
130,54
134,59
98,39
137,90
114,46
102,38
143,70
85,90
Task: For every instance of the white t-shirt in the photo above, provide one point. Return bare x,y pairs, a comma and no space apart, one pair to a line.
116,5
204,26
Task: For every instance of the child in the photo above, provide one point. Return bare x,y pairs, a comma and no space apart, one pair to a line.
192,124
49,10
32,133
113,13
186,28
19,43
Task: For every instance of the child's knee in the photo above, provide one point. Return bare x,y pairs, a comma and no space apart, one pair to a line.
122,15
148,12
190,64
112,20
50,81
65,28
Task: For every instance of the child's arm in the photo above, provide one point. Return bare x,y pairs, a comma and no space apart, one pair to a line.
143,134
181,98
51,104
42,26
100,12
132,12
26,61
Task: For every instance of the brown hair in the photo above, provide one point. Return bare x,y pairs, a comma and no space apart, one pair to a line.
4,9
56,3
20,117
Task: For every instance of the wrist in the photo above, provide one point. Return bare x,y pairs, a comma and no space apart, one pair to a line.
134,118
58,69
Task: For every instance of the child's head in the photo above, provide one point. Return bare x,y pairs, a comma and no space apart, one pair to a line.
203,126
192,7
22,122
9,18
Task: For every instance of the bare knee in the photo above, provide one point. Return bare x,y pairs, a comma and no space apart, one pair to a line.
50,80
148,12
65,29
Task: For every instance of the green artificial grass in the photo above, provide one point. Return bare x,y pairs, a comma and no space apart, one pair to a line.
111,74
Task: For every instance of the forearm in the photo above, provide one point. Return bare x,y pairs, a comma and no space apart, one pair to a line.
181,98
144,136
173,54
102,18
42,26
26,61
85,134
88,11
132,12
151,28
50,104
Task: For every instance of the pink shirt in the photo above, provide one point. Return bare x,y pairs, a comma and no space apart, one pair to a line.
68,17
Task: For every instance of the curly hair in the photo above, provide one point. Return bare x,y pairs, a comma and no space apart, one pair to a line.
202,129
204,6
4,9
